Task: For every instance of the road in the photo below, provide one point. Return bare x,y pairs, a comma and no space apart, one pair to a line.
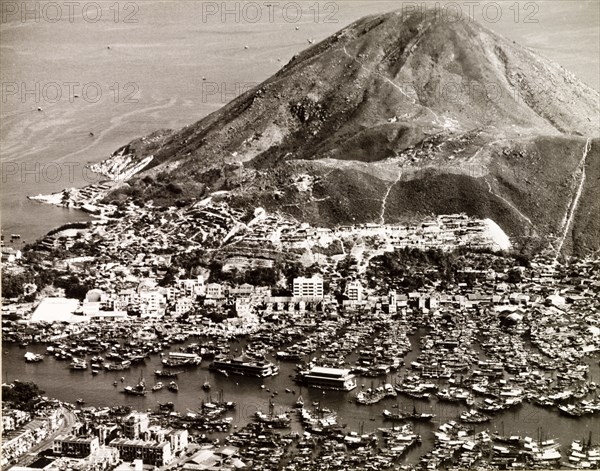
67,421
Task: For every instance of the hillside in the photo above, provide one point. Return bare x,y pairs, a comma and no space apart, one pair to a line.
394,117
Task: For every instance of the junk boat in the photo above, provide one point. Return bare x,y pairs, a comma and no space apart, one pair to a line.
321,421
273,420
584,455
373,396
474,417
137,390
356,440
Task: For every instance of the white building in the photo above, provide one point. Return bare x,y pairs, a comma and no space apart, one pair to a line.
193,287
308,287
354,291
57,310
152,303
183,305
214,291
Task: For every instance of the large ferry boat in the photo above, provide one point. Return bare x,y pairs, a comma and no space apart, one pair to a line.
244,366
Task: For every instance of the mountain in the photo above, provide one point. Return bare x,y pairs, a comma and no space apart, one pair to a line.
392,118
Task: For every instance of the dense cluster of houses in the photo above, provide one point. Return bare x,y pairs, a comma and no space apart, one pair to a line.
22,430
130,438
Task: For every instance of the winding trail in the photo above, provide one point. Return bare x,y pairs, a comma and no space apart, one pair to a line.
384,200
512,206
491,191
570,214
391,82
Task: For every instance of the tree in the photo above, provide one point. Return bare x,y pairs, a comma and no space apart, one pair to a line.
24,396
514,276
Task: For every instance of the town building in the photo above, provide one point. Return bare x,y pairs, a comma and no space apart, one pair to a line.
150,452
308,288
135,425
354,291
75,446
214,291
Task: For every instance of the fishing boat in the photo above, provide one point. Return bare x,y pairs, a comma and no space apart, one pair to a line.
356,440
167,374
158,386
299,402
474,417
117,366
206,386
78,364
80,401
414,415
137,390
321,421
166,405
33,357
181,359
372,396
173,387
421,416
273,420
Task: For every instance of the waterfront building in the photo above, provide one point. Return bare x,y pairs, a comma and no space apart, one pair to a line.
135,424
152,303
57,310
179,440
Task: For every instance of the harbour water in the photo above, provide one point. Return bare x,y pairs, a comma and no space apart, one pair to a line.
57,380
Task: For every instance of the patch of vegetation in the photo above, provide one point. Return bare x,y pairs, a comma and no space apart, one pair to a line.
23,396
412,269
